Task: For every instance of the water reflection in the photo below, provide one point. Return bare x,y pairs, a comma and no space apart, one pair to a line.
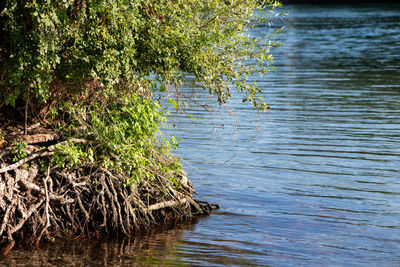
156,247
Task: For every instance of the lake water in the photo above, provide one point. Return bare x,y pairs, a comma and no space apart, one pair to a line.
317,185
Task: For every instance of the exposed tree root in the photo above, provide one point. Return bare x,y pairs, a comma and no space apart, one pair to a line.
37,205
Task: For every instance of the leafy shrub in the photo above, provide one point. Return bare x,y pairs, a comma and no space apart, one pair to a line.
93,64
56,48
123,136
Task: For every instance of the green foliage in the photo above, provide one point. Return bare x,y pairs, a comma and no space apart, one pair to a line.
69,153
19,150
50,44
96,63
123,136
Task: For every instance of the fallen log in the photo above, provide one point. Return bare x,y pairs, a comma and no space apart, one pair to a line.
35,138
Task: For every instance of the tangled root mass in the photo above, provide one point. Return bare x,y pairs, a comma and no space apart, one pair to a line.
38,205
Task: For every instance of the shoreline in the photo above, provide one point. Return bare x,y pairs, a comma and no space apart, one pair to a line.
43,204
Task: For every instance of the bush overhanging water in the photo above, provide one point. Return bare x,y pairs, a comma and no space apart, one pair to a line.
80,75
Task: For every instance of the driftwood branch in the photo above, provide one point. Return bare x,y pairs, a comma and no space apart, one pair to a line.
40,138
50,152
36,138
25,160
167,204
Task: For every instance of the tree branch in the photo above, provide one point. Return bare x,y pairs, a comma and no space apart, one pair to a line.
166,204
25,160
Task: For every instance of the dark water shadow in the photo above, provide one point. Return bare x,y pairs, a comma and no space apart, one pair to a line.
154,247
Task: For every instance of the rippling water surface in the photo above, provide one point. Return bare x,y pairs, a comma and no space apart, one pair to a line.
317,185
